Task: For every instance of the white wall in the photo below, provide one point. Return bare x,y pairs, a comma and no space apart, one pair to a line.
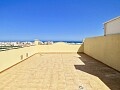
112,27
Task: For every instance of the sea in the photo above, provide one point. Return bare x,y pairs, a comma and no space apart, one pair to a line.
70,42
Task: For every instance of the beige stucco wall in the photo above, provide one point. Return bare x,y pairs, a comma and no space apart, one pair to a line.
105,49
11,57
60,47
112,27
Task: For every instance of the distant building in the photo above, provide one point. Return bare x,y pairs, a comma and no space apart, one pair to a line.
112,26
37,42
48,43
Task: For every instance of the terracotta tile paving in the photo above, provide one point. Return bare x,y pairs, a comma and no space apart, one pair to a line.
60,72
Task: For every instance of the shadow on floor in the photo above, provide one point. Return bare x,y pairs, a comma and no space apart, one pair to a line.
109,76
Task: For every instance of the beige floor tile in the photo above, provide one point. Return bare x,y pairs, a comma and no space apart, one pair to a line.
60,72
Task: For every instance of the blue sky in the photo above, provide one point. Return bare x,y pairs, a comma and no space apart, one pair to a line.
55,19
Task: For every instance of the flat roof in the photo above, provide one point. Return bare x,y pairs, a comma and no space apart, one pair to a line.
112,20
60,72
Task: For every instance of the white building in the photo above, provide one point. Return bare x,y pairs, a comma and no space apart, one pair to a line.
112,26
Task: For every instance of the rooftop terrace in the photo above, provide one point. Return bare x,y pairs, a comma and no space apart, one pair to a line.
59,67
60,72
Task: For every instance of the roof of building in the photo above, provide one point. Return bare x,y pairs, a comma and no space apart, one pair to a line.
112,20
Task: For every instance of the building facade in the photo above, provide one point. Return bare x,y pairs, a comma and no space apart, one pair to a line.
112,26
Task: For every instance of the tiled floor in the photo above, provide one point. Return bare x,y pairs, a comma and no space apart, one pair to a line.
60,72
